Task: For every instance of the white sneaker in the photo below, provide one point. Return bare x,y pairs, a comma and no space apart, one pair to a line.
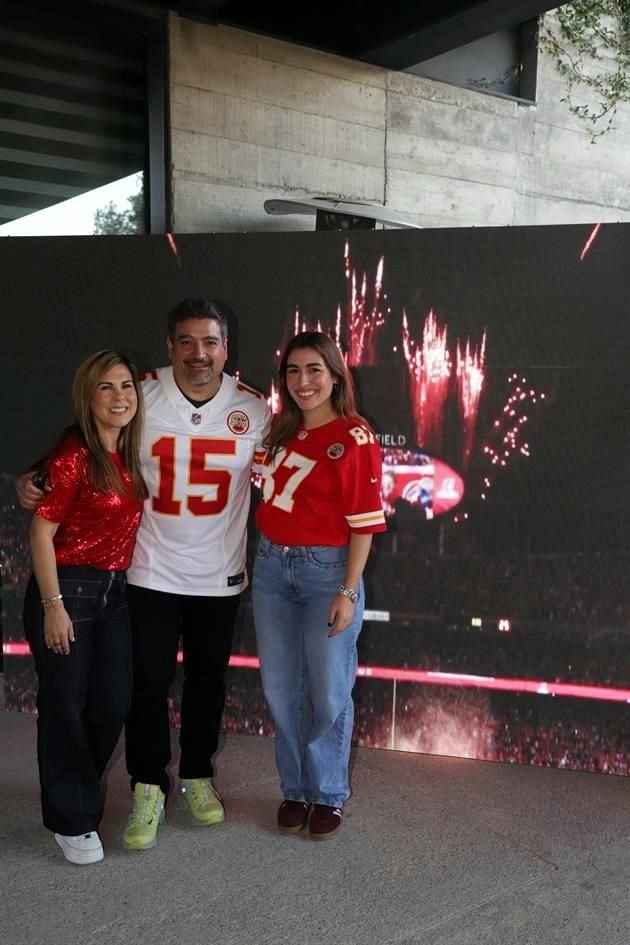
86,848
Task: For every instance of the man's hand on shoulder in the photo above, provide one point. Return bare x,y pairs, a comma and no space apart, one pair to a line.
28,493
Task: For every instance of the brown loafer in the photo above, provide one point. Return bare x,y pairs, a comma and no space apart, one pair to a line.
325,821
292,816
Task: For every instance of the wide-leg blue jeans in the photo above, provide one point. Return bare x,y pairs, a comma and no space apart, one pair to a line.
307,676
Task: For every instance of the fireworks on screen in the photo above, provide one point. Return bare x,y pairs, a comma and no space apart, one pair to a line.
300,324
365,312
173,246
470,382
274,398
590,241
508,437
442,371
431,371
430,365
357,323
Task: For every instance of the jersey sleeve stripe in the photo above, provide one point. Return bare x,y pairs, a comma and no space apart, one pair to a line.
366,519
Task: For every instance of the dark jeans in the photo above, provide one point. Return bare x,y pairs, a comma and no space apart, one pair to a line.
83,698
205,626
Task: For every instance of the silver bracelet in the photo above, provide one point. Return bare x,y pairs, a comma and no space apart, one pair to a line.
45,601
348,592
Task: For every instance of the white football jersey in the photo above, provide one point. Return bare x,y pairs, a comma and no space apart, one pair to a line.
197,464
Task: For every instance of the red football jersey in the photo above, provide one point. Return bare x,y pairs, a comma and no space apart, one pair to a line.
321,484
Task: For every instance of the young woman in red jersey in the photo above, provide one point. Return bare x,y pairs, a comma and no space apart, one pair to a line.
320,507
75,610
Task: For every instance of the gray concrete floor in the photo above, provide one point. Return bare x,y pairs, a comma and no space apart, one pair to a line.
433,851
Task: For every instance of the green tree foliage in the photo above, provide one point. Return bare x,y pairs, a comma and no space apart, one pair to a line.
589,41
109,220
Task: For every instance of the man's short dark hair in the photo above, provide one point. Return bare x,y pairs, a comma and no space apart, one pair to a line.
196,308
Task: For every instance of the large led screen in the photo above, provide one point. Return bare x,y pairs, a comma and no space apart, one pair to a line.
492,364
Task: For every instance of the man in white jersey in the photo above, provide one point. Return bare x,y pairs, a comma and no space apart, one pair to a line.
203,431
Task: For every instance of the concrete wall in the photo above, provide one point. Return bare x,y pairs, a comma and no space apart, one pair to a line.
254,118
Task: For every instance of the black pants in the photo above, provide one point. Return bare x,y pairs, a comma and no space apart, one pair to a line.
205,626
83,698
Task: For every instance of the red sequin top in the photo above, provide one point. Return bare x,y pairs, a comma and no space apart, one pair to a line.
97,529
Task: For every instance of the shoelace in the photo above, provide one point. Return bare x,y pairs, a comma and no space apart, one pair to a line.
145,813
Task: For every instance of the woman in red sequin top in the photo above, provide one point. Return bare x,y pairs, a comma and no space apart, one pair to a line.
75,611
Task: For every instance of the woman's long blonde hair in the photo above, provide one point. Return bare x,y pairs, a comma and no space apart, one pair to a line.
343,397
104,475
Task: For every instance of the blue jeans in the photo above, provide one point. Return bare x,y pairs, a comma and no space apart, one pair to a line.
83,698
307,676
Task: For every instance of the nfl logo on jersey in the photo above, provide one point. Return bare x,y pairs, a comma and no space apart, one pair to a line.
196,419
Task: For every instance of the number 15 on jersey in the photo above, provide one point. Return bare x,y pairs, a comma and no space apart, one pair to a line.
178,472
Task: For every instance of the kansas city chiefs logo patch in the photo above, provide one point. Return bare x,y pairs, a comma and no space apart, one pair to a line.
238,422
